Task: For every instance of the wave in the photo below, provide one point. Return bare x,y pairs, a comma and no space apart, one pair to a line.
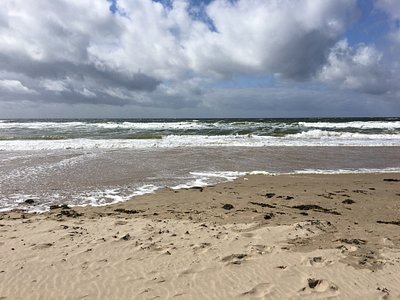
309,138
354,124
346,171
108,125
196,124
40,138
137,134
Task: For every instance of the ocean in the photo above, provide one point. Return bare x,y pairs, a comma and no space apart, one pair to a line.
103,161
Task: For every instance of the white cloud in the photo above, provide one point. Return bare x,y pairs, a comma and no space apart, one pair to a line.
15,86
359,68
287,37
87,93
54,85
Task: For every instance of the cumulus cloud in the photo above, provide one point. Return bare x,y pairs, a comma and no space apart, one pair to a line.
359,68
291,38
48,43
151,54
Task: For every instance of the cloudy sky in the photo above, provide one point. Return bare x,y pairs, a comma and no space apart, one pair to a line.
199,58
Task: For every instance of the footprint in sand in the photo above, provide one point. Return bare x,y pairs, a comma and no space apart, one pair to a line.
195,269
259,249
235,259
320,286
42,246
348,248
201,248
248,234
317,261
260,291
385,293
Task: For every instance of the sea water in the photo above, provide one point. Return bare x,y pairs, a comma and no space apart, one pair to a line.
98,162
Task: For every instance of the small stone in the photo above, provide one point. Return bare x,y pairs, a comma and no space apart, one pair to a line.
228,206
268,216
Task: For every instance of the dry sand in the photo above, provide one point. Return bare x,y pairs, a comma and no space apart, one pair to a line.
258,237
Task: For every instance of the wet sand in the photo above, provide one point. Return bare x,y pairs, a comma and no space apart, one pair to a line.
258,237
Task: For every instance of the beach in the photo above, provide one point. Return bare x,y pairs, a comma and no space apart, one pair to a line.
293,236
199,149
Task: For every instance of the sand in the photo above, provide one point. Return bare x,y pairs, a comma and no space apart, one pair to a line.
258,237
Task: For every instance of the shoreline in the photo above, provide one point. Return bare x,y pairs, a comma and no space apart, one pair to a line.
260,235
230,176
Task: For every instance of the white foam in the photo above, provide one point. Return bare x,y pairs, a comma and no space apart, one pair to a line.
94,198
200,179
42,125
310,138
346,171
193,125
112,195
354,124
33,171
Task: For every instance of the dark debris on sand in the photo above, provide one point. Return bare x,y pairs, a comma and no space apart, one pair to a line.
127,211
353,241
316,208
348,201
262,204
391,180
69,213
389,222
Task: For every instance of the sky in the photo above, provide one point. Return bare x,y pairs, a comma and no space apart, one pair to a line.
199,58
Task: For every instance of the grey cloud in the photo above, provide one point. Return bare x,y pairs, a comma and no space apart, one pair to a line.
136,57
303,56
61,70
254,102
